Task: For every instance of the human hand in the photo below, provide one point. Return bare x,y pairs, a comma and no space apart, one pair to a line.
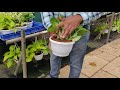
69,24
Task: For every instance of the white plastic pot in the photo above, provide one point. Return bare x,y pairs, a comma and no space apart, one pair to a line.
28,25
6,31
106,31
61,49
38,57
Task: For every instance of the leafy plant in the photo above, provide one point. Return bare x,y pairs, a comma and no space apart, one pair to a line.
116,25
74,36
6,22
100,28
11,56
35,48
12,20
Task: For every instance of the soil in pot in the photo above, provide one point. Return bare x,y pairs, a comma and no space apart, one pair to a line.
38,53
56,39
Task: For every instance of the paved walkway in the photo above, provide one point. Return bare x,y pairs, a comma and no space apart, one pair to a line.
103,62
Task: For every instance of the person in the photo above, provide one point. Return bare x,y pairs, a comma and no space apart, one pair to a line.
71,21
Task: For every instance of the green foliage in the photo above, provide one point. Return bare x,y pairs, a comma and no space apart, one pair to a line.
75,36
39,46
100,28
11,56
116,25
12,20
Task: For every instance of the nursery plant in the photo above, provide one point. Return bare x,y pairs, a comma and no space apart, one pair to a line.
101,28
62,47
37,48
14,20
12,56
116,25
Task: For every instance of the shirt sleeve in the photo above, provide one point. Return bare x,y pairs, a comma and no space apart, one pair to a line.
90,16
45,16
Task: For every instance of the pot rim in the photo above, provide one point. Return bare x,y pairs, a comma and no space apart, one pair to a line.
63,43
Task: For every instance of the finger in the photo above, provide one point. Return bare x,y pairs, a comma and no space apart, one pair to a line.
71,30
60,18
63,19
65,28
59,26
66,32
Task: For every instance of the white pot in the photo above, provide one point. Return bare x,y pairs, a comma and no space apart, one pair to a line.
28,25
38,57
61,49
113,28
106,31
6,31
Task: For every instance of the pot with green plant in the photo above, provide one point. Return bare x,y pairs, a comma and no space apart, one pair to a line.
12,21
25,19
38,49
12,56
62,47
116,25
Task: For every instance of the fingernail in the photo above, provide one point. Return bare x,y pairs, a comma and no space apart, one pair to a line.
63,36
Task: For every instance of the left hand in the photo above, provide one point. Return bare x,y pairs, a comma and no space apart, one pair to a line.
70,24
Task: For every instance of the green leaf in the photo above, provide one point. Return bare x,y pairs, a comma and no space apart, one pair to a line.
32,55
32,49
15,30
51,29
9,63
54,20
11,24
15,57
76,38
7,53
12,47
43,47
74,35
18,50
29,59
7,57
82,31
29,46
45,52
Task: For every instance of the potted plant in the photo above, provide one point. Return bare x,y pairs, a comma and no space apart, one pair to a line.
38,49
12,21
62,47
24,19
12,56
102,28
116,25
